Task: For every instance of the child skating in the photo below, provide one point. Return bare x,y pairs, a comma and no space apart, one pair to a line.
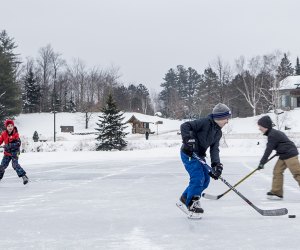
11,140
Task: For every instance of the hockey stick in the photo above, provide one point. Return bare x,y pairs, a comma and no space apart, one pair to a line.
264,212
216,197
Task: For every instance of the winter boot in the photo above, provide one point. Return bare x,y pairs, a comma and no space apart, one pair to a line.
273,196
25,179
183,199
195,206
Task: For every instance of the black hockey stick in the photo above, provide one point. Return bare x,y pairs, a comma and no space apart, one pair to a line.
216,197
264,212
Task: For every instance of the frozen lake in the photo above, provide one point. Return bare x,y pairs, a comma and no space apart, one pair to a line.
126,200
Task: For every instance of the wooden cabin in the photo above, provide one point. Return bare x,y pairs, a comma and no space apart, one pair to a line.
139,126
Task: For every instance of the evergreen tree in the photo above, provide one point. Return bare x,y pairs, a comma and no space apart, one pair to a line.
170,96
32,94
10,103
111,135
143,95
194,83
208,94
285,68
297,67
168,85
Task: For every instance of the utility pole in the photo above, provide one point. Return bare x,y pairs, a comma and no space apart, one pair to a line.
54,102
54,110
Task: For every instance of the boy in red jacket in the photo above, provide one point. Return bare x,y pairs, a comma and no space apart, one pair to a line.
10,138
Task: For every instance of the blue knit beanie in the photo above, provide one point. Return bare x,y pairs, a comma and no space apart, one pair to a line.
221,111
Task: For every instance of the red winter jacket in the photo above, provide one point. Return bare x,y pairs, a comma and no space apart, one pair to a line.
12,140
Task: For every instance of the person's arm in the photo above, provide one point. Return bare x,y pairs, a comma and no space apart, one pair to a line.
187,127
270,147
15,145
216,165
215,152
1,139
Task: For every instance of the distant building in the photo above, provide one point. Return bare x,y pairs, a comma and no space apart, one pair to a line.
67,129
289,90
140,125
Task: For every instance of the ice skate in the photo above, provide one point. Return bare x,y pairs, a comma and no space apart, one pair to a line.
25,179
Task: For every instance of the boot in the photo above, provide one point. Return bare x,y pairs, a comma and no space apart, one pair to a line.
183,199
195,205
25,179
273,196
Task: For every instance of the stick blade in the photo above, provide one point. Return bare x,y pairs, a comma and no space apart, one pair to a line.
274,212
211,197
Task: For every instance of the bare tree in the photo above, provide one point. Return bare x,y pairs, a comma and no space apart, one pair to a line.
78,77
224,74
250,80
45,61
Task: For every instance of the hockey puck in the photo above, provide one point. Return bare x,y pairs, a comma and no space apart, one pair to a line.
292,216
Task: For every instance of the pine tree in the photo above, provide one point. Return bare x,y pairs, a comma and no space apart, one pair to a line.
10,103
171,97
143,95
32,94
208,94
285,68
297,67
194,82
111,135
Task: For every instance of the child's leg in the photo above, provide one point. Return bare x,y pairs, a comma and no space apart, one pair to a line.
294,166
277,184
4,164
207,179
15,164
197,179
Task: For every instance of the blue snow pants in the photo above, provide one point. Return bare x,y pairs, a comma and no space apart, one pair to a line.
15,164
199,178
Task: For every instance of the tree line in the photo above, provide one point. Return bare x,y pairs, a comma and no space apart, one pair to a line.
48,83
249,88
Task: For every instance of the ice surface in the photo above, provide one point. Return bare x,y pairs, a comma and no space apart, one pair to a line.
126,200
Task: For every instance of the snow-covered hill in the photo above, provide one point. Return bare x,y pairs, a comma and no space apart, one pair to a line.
165,134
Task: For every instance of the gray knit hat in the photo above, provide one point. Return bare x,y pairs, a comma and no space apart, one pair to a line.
221,111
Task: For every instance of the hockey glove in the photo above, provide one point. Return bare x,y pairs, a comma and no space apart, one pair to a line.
216,170
260,166
189,146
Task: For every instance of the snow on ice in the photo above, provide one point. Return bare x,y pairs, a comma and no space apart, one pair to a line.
82,199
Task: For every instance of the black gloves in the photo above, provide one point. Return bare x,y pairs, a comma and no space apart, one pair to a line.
260,166
216,170
189,146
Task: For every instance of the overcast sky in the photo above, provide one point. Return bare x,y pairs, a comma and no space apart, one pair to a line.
145,38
